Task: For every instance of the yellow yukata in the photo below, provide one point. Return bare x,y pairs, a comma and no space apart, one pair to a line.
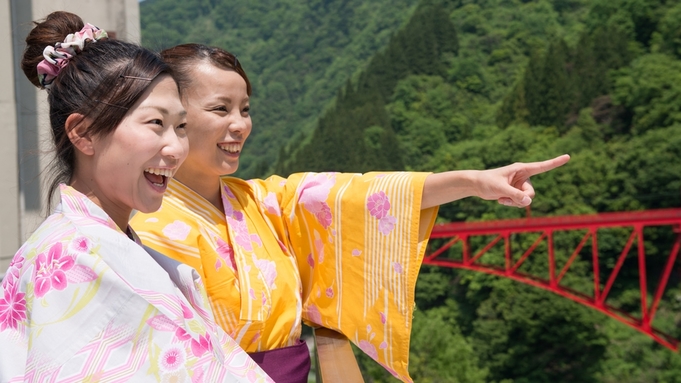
337,250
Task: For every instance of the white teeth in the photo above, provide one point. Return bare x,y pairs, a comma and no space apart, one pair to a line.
160,172
231,147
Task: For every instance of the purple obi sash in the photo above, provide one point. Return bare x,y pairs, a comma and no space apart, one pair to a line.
285,365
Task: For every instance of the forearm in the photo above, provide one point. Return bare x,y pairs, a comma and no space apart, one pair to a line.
441,188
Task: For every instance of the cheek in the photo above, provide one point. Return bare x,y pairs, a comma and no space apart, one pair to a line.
185,148
197,143
249,128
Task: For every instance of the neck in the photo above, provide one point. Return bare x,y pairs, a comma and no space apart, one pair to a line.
207,187
119,215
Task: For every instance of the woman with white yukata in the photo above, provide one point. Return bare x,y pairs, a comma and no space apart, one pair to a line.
335,250
82,299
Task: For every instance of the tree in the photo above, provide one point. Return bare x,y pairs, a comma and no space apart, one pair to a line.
547,88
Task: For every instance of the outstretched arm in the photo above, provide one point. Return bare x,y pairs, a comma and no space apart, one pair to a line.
509,185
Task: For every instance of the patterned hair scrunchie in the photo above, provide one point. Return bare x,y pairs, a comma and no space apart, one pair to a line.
58,56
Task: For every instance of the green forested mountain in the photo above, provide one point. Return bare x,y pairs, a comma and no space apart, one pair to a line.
457,84
296,53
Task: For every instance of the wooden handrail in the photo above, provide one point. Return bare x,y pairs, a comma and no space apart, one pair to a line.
336,362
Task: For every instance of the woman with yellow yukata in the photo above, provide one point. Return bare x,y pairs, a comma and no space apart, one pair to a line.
336,250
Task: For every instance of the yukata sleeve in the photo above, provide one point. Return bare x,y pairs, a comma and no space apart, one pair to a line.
87,315
57,303
13,340
359,241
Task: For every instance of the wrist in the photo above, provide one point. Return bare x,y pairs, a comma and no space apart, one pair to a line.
470,182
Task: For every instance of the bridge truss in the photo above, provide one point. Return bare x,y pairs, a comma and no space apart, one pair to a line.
455,251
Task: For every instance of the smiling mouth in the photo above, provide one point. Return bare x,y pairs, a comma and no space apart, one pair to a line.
158,177
232,147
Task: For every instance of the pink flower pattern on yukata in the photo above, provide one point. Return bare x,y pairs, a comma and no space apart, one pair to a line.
268,271
368,348
397,267
50,270
313,195
182,334
177,231
186,312
201,346
386,224
272,204
243,237
225,253
378,205
172,358
228,192
227,206
324,216
80,245
314,315
12,274
12,307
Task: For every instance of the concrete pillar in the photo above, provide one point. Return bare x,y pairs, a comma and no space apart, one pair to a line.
25,147
9,188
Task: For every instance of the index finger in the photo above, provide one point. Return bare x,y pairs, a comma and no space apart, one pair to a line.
534,168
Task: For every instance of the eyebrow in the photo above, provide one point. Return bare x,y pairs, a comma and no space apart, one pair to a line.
163,110
229,100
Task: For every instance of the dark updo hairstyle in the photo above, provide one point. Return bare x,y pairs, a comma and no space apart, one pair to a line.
182,58
102,83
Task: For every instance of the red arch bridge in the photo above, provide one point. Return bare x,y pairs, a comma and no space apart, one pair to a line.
454,250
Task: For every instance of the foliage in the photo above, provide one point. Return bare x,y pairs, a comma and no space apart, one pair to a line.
340,142
297,54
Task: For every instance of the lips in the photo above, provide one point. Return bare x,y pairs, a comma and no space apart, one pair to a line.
157,176
231,147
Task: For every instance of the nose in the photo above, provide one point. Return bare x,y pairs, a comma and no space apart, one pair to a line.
238,125
175,146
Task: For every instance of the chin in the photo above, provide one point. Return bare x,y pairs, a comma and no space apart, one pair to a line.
149,207
230,170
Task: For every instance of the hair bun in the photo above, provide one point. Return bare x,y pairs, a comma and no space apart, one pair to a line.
53,29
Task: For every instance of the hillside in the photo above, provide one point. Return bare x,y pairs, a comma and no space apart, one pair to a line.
297,54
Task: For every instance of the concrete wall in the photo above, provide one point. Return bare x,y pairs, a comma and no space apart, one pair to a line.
9,174
25,146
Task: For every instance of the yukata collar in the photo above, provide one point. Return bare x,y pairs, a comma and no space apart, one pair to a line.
78,205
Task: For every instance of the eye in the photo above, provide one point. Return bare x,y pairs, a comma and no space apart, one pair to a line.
220,108
156,121
246,110
182,126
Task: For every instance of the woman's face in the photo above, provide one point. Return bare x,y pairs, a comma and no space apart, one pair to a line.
218,122
132,165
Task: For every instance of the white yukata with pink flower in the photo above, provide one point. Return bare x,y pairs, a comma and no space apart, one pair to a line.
81,302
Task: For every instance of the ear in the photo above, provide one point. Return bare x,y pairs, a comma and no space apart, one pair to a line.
77,130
